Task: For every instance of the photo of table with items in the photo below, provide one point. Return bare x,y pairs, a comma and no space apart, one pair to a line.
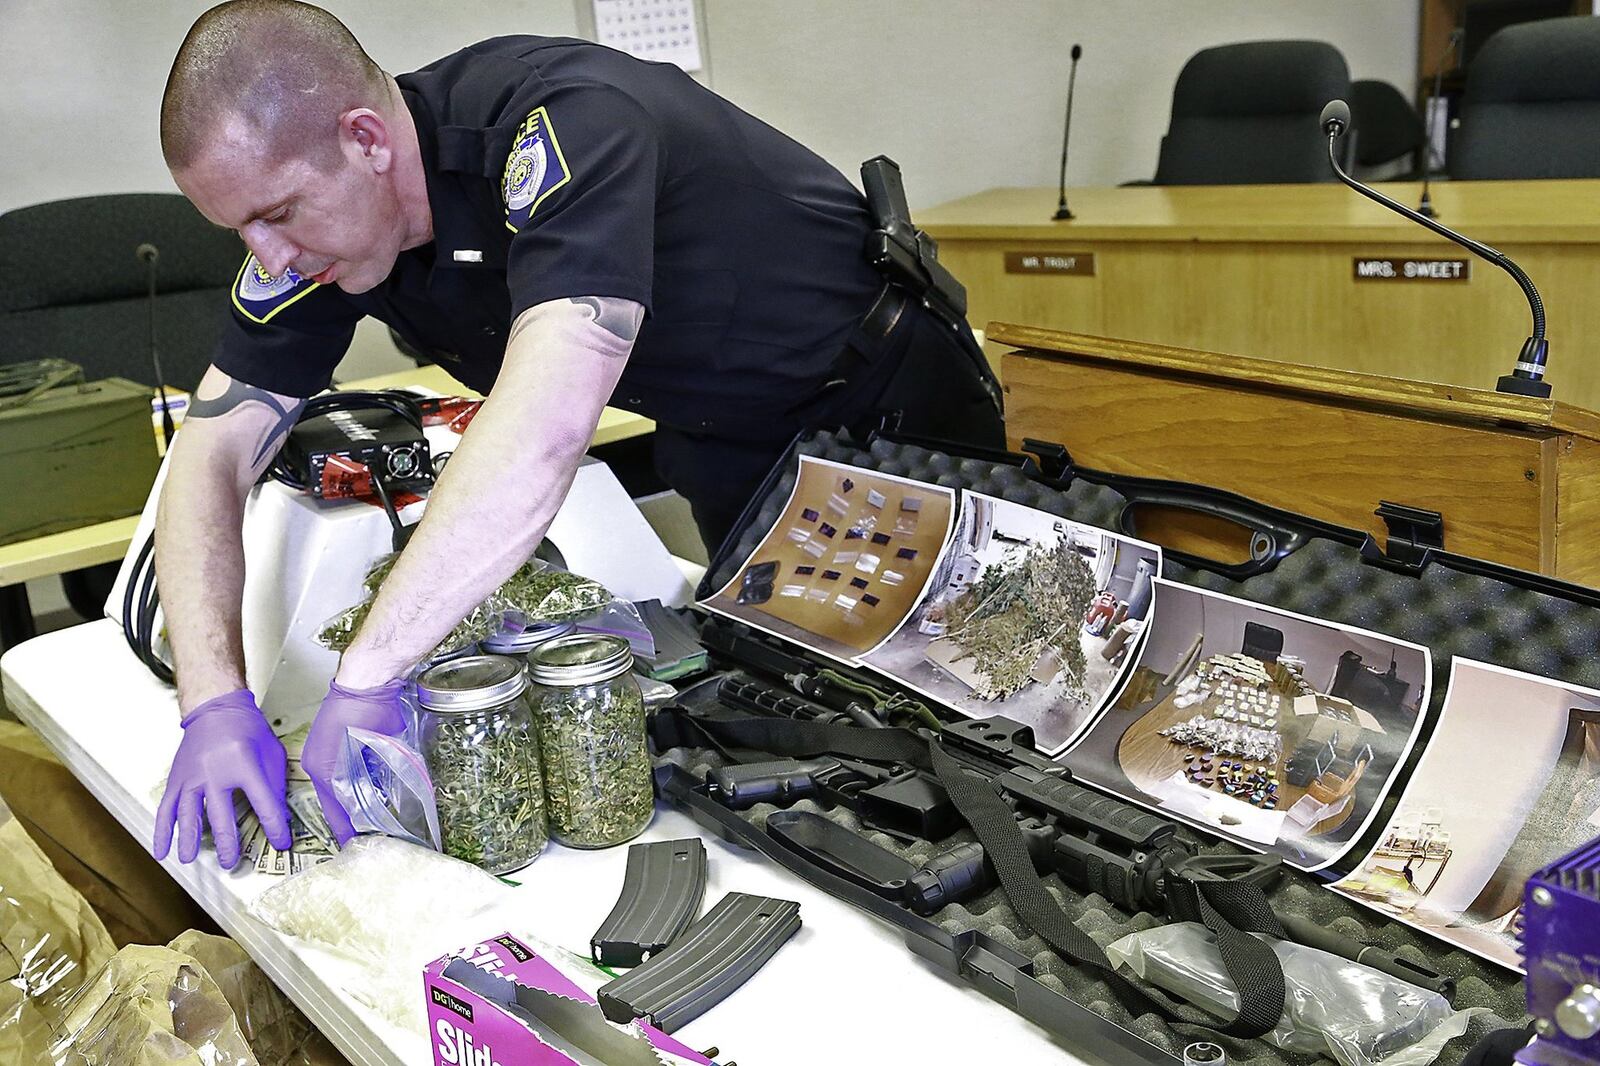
1278,730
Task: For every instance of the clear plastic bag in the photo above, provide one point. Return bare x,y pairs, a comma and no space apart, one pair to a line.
383,785
1353,1013
150,1006
274,1027
541,592
656,693
364,906
537,592
68,998
50,943
619,618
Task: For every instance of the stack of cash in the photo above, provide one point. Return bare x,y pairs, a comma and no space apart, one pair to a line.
313,840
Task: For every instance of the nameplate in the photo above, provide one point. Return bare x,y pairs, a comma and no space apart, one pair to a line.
1079,263
1411,269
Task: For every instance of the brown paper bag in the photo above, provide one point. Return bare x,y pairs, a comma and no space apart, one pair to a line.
50,942
135,898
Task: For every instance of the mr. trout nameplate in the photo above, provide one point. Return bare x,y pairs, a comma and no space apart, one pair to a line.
1411,269
1079,263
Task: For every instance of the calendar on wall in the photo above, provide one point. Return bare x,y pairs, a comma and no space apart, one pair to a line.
666,31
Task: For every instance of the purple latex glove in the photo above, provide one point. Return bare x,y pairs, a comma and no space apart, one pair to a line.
227,745
379,709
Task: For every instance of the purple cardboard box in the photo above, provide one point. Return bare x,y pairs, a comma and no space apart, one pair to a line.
501,1004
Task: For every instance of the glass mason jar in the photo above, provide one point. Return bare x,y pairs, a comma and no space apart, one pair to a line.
477,737
409,693
590,717
520,641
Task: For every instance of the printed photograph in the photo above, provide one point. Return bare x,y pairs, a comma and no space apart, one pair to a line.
849,556
1471,827
1277,730
1028,615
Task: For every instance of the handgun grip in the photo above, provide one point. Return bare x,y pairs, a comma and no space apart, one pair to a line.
886,194
781,782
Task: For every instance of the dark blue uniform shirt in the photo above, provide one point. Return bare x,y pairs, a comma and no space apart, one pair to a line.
559,168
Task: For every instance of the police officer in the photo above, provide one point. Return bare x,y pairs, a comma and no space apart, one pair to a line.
561,226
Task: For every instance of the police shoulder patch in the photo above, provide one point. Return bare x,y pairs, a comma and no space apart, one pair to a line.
258,295
535,168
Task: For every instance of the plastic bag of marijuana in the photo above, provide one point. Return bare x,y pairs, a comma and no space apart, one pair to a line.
363,905
337,632
537,592
541,592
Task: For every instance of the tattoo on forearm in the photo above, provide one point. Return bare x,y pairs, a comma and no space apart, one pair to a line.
620,318
236,395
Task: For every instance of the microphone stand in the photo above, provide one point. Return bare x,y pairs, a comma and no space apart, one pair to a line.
1425,208
149,255
1064,212
1527,376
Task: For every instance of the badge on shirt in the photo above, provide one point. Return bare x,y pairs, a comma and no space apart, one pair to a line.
258,295
534,169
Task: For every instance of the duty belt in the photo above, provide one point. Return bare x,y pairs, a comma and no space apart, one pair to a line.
885,312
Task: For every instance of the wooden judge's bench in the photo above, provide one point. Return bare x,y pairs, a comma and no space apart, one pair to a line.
1312,274
1516,480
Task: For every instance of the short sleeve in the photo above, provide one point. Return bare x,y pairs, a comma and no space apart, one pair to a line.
286,334
579,191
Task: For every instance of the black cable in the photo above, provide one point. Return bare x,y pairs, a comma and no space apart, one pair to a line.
140,602
402,532
141,599
128,592
150,600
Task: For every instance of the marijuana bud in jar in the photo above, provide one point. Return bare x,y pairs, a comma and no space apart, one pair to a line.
481,749
590,718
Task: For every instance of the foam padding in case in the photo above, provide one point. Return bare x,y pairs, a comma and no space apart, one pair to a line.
1490,617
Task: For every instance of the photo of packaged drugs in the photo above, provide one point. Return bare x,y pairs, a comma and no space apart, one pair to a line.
837,534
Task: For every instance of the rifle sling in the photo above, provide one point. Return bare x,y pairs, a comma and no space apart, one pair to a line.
1232,911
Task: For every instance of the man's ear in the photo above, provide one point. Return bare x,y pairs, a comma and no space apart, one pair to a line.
365,134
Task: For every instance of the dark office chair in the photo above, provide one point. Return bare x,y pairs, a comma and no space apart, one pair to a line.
1532,104
1388,128
1245,114
72,287
1262,642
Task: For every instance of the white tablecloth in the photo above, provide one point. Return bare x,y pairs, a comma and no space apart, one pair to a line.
845,989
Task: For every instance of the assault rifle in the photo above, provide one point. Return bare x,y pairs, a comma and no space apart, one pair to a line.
1091,841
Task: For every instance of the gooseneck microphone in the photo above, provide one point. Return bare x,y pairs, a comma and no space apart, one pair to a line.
1429,156
150,255
1527,377
1062,210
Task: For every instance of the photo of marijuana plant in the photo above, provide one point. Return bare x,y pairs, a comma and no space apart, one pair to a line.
1027,614
1018,613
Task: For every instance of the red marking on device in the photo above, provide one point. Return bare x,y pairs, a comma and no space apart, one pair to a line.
344,478
456,412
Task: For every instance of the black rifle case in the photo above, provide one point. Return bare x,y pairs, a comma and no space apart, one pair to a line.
1453,604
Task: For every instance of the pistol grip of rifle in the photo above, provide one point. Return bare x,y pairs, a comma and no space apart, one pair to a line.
780,782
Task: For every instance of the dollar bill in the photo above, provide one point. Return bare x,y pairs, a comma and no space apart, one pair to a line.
305,815
294,743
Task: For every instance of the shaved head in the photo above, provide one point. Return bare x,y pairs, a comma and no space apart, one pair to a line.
286,71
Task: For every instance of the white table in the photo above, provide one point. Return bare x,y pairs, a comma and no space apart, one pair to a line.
845,989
